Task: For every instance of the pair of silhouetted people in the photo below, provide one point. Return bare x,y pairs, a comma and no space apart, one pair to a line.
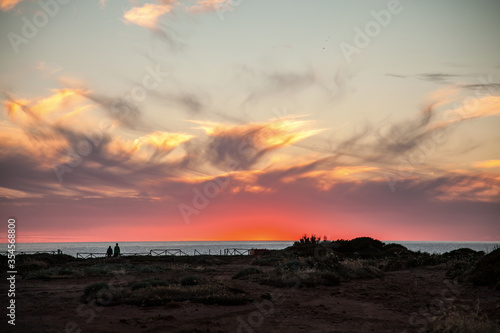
114,253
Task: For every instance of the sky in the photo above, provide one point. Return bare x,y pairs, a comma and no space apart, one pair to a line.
249,120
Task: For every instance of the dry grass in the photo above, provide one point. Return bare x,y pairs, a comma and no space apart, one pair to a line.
155,292
460,322
350,269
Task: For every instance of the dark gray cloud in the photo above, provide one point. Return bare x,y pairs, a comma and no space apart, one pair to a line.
437,77
397,75
295,82
491,88
125,112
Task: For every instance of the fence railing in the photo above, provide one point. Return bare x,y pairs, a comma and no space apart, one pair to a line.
167,252
90,255
35,252
28,252
153,252
236,252
135,254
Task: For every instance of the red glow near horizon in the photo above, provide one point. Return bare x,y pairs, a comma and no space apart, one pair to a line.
241,229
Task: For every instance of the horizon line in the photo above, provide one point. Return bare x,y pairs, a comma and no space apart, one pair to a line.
253,240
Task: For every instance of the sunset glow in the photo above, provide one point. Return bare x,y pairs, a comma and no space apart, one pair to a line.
249,120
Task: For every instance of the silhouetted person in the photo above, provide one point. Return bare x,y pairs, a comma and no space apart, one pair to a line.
109,252
117,251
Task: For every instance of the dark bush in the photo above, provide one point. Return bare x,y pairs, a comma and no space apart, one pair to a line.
463,253
313,239
190,280
293,265
487,270
246,272
149,283
99,292
266,261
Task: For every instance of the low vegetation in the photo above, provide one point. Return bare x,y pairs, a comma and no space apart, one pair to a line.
190,280
155,292
465,322
244,273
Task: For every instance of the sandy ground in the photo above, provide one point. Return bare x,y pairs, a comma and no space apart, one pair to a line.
401,301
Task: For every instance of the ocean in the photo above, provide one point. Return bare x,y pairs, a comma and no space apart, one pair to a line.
218,247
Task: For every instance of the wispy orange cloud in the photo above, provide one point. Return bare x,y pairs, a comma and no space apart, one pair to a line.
480,188
162,142
488,164
147,16
7,5
23,110
275,133
203,6
243,146
471,108
325,179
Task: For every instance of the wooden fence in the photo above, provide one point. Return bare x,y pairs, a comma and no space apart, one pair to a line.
153,252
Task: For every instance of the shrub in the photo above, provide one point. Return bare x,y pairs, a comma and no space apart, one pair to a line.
313,239
41,274
358,269
32,265
99,293
487,270
147,269
455,321
246,272
293,265
149,283
190,280
266,261
97,270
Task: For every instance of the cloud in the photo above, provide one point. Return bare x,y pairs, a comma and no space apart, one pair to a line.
102,3
487,164
43,110
436,77
397,75
6,5
188,100
203,6
44,67
490,87
471,109
157,169
121,110
292,82
148,15
162,142
242,146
